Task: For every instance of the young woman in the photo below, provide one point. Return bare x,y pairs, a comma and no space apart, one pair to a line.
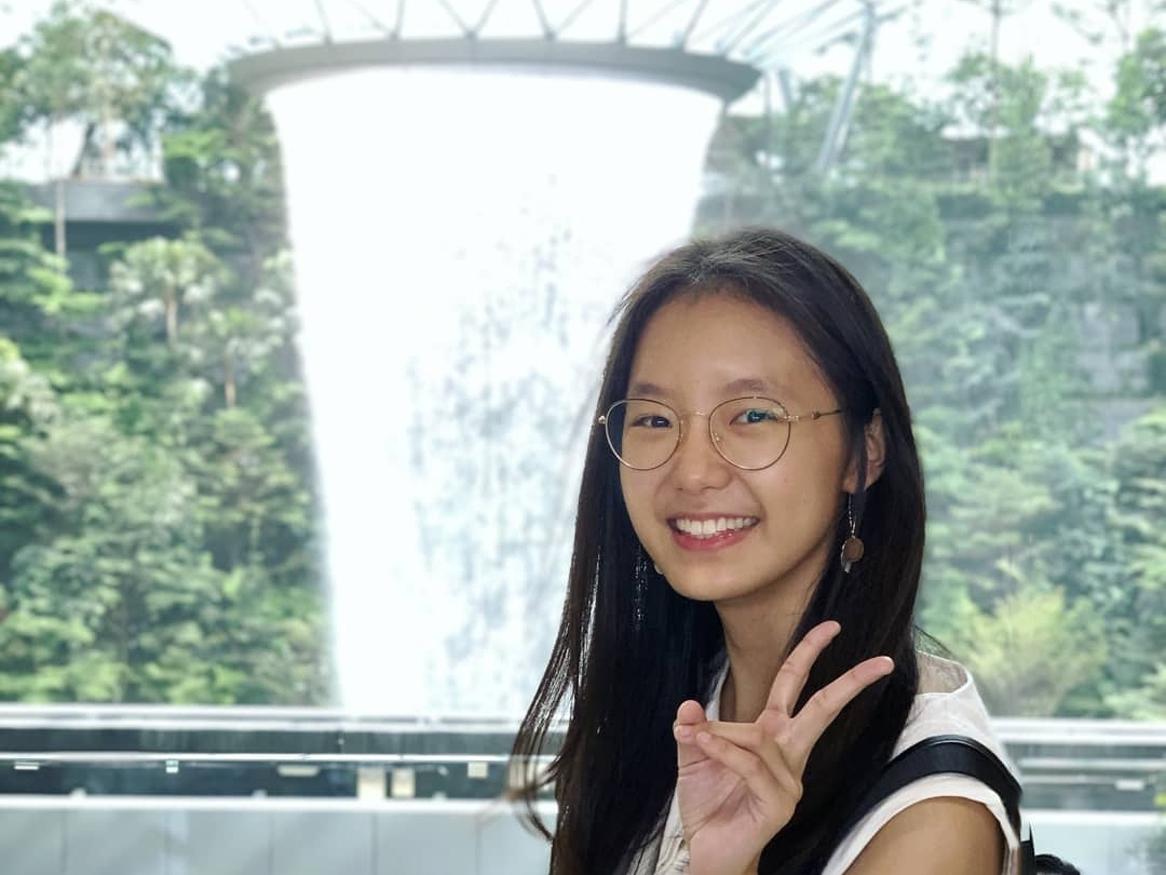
737,635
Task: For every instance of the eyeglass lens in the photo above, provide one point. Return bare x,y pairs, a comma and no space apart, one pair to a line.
748,432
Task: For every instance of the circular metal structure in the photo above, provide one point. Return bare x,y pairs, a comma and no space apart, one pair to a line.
678,35
720,47
728,80
760,33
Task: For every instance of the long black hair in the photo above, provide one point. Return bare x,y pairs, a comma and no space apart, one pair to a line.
632,649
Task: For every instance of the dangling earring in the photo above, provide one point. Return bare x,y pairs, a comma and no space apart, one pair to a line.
657,567
852,547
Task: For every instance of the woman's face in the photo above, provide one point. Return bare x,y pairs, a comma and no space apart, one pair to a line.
691,353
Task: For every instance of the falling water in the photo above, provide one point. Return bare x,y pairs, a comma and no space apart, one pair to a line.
460,241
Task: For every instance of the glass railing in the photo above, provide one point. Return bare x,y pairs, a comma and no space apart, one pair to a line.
213,790
1102,765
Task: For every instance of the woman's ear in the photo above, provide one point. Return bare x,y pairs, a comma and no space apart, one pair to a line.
876,454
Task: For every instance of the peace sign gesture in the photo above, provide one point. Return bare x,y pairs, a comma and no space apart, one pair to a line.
737,784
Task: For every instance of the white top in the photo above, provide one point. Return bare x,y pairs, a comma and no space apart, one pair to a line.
947,704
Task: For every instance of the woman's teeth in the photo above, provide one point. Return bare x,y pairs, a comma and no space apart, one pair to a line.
709,528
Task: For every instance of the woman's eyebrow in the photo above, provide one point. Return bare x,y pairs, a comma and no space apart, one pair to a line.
646,389
745,384
751,384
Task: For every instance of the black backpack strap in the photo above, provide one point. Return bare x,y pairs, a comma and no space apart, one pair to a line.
949,754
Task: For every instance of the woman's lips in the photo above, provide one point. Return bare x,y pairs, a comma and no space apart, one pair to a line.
714,542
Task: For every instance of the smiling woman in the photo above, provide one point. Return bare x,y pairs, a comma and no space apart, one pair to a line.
695,344
740,671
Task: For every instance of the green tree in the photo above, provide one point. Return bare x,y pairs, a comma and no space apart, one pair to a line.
88,65
34,292
1138,613
224,176
33,285
158,279
231,343
125,602
13,110
998,10
1031,651
119,584
27,406
158,521
1136,115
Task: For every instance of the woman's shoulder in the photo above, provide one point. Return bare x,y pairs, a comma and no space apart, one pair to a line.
947,703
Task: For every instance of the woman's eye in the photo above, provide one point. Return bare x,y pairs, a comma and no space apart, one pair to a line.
651,422
754,415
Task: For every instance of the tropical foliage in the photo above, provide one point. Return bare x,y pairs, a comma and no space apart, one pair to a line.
157,513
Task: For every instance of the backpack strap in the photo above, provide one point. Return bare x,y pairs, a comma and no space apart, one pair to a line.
949,754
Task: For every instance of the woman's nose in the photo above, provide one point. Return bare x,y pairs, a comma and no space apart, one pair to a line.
697,463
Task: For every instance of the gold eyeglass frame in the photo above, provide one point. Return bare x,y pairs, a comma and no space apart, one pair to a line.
788,418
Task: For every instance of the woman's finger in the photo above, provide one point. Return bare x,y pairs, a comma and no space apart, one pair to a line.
688,715
752,737
690,711
826,704
791,677
749,767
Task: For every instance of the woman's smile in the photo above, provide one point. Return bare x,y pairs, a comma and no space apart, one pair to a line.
710,532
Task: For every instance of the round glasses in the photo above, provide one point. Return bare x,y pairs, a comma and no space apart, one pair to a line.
750,433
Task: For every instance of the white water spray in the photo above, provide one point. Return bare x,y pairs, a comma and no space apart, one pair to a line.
460,239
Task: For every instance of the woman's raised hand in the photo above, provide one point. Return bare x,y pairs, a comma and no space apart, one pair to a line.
738,783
